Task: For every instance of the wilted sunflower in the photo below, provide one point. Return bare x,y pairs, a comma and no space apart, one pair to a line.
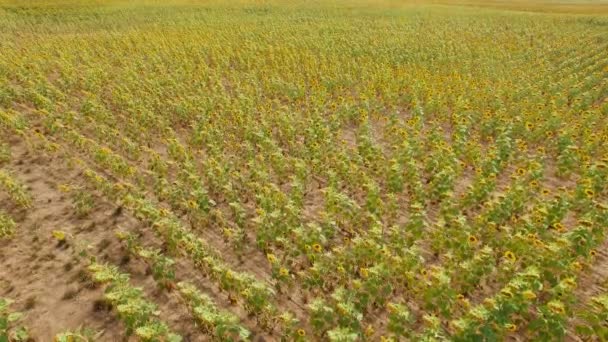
576,266
510,256
507,293
556,307
271,258
529,295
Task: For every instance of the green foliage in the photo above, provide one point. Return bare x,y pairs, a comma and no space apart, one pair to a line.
9,330
7,225
138,314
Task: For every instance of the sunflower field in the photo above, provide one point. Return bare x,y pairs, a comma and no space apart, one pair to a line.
303,170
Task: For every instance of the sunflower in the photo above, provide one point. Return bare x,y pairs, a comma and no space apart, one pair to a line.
521,171
534,183
570,282
317,248
510,256
511,327
538,243
490,303
556,307
460,296
271,258
546,191
507,293
301,332
364,272
473,239
529,295
284,272
576,266
589,193
369,331
593,253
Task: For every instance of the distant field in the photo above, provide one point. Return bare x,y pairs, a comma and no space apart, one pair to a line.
597,7
303,170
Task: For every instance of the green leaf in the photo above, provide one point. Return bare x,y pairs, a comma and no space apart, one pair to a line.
15,316
21,334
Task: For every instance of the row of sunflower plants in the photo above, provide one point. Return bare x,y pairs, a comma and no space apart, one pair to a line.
10,330
16,191
138,314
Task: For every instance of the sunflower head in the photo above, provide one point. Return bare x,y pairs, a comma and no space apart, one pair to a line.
529,295
558,226
507,293
556,307
317,248
271,258
369,331
510,256
576,266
